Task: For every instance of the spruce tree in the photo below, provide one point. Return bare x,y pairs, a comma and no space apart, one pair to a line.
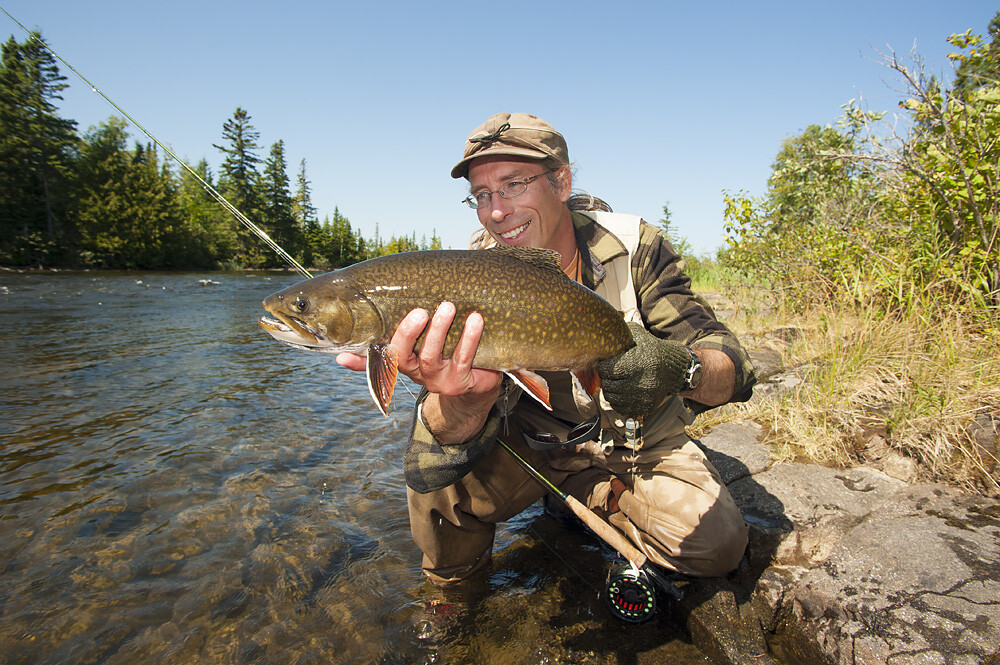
238,182
305,217
37,149
277,204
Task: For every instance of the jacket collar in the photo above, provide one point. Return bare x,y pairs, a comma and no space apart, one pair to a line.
598,247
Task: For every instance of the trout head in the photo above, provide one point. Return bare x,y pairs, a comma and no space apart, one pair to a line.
326,313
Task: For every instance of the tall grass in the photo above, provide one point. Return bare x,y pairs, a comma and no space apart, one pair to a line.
914,381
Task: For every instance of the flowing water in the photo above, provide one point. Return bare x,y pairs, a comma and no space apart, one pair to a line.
177,487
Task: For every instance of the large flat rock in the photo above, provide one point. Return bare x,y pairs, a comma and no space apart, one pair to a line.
917,581
853,567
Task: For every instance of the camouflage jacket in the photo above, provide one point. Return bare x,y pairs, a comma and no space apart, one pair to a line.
669,310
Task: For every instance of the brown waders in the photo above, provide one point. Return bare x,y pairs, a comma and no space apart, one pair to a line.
676,510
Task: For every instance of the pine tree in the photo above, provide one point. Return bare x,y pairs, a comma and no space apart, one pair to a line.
129,216
277,204
37,150
208,228
305,217
238,182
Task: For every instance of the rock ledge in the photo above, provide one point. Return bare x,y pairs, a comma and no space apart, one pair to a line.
852,567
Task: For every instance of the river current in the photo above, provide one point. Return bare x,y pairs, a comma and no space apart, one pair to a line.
178,487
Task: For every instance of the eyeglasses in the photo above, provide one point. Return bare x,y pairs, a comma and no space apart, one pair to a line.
508,190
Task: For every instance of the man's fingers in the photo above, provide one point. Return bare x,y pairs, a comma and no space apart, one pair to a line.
352,361
465,352
409,330
432,349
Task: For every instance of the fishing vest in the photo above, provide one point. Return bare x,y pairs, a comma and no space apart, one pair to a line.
571,405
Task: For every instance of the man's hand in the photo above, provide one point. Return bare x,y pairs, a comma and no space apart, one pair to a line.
639,380
461,396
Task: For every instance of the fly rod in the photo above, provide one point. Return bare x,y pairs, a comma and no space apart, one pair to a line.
628,592
235,212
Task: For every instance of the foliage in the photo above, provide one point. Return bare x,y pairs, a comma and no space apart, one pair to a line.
277,205
677,241
979,65
880,237
860,214
94,201
127,214
37,151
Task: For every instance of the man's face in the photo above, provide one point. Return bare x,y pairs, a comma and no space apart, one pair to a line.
536,218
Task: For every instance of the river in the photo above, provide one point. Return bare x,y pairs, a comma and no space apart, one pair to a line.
177,487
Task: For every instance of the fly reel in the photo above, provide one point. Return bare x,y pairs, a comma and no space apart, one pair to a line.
630,594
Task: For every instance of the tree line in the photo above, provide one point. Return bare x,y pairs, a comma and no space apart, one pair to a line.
902,212
99,200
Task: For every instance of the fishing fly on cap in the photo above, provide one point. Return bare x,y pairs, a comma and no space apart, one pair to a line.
514,134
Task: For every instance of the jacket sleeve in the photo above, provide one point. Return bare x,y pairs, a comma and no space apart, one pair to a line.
671,310
429,466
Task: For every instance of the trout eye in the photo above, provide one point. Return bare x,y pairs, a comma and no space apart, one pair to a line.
301,305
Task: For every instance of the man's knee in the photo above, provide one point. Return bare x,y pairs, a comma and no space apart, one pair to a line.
717,543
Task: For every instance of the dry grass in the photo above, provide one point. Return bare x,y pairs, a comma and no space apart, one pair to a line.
876,386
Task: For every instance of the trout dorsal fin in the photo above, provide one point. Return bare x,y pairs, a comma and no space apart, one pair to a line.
546,259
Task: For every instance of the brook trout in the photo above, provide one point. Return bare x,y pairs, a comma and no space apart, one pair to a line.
536,318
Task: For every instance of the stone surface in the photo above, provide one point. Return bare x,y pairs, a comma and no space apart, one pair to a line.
852,567
921,574
734,450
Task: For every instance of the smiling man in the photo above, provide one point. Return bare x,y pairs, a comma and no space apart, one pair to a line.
624,452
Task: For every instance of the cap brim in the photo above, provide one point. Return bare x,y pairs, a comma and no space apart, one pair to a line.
461,170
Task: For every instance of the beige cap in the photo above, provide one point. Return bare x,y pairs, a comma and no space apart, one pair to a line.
516,134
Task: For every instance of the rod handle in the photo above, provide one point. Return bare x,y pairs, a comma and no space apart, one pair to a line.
606,532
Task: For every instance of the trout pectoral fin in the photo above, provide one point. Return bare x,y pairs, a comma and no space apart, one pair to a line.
382,369
533,384
589,380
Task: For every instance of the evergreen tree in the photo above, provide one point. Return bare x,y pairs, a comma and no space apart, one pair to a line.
128,216
238,182
277,204
208,228
305,216
37,149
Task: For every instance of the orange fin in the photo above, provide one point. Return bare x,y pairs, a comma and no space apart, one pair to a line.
533,384
383,366
589,380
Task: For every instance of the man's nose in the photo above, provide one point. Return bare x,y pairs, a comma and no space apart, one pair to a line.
499,207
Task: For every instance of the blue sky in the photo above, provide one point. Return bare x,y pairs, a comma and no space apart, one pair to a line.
660,102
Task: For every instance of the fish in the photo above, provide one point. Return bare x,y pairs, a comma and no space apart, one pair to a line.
535,317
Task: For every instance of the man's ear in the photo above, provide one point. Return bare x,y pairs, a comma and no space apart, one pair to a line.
565,179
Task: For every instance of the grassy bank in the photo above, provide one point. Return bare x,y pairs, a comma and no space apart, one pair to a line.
922,386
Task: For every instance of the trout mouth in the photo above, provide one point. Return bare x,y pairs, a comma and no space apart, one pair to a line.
296,333
288,329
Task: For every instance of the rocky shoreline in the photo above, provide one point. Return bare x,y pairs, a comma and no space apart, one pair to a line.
848,567
857,566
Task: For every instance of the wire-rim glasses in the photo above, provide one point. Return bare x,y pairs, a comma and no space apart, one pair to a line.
508,190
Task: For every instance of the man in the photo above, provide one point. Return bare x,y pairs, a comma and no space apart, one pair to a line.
624,453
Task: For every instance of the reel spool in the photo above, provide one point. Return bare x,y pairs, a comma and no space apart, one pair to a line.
630,594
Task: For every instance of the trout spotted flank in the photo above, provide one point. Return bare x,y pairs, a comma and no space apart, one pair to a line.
536,318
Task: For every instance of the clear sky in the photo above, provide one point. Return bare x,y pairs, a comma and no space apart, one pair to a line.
660,102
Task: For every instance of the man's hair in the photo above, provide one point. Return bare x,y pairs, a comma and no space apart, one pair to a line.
585,201
578,200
